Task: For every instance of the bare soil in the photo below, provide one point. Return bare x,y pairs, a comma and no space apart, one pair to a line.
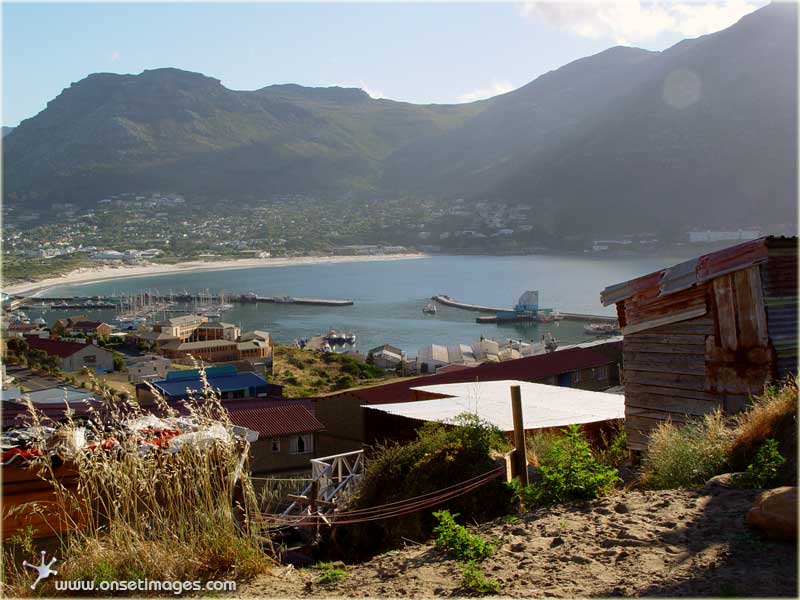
636,543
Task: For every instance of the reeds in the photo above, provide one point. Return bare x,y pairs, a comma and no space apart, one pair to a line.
143,508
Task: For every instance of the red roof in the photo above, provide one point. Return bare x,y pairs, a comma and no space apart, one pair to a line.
56,347
530,368
274,419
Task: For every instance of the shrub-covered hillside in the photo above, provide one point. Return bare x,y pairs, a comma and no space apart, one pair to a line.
307,372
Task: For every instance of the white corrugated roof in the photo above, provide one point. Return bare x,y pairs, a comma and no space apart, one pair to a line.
542,405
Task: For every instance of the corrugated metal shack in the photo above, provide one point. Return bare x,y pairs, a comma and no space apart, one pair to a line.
706,333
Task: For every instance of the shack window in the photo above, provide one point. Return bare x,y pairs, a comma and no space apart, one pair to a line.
600,373
576,377
301,444
275,444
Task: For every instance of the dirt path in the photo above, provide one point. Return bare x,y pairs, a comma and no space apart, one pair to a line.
669,543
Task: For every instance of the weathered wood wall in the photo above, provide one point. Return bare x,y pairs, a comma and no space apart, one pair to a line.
693,351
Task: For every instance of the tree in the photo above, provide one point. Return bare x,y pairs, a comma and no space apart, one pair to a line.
119,362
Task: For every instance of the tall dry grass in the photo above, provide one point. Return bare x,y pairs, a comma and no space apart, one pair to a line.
138,512
772,415
688,455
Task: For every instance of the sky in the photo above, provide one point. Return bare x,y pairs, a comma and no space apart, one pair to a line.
444,52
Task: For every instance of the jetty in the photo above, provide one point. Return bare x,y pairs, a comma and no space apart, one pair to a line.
448,301
521,313
102,302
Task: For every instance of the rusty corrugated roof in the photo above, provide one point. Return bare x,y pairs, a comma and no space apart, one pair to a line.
698,270
275,420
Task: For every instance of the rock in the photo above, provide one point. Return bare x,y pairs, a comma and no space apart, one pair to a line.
518,547
774,513
621,508
581,560
557,541
519,531
726,480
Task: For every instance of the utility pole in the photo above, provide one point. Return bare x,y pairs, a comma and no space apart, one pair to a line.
520,454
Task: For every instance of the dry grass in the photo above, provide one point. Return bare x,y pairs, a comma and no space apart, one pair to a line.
539,444
182,514
687,456
771,415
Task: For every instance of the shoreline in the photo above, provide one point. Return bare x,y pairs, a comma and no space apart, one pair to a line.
87,275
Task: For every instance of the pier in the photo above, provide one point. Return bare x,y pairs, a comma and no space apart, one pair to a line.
448,301
507,313
107,302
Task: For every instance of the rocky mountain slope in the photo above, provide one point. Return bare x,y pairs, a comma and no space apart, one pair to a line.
626,140
657,543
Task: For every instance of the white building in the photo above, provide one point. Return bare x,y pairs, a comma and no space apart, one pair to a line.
150,366
707,236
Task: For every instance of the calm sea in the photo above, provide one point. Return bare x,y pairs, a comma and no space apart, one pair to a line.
389,296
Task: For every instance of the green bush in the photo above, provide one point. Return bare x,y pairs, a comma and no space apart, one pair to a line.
329,573
456,541
474,581
344,382
570,471
441,456
687,456
763,471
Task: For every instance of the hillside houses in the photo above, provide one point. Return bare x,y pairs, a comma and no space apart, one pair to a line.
73,356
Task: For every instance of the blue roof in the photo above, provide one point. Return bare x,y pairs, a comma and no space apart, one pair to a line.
223,383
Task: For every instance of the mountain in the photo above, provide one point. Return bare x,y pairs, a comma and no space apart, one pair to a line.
7,130
707,137
174,130
626,140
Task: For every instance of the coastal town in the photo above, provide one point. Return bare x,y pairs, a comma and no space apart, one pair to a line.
163,228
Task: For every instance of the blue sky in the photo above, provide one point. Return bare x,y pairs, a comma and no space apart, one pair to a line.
445,52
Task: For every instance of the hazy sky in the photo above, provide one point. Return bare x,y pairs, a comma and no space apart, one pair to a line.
445,52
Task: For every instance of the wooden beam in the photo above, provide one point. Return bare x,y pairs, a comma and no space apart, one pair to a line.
665,320
520,454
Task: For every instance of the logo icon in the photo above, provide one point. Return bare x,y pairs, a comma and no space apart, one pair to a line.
44,570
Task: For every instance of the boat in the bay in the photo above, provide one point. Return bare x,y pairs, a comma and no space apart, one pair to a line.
602,329
429,308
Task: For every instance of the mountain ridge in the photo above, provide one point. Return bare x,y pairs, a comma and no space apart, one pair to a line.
624,131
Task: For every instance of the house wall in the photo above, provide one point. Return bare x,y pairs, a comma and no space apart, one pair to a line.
715,358
263,460
92,356
343,418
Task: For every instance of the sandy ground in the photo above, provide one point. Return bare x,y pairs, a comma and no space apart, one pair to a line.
669,543
102,273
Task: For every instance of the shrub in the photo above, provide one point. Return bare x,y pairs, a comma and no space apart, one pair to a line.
570,471
763,471
474,581
441,456
686,456
344,382
329,573
456,541
773,415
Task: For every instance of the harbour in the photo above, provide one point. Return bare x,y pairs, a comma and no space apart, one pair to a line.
388,297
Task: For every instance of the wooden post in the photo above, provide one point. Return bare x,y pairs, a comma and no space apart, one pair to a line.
520,455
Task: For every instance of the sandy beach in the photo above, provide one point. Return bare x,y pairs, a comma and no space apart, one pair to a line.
110,272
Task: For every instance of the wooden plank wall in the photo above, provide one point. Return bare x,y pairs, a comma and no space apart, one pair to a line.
692,367
664,375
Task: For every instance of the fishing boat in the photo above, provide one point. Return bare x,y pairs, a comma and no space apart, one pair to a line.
350,338
429,308
602,329
335,338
